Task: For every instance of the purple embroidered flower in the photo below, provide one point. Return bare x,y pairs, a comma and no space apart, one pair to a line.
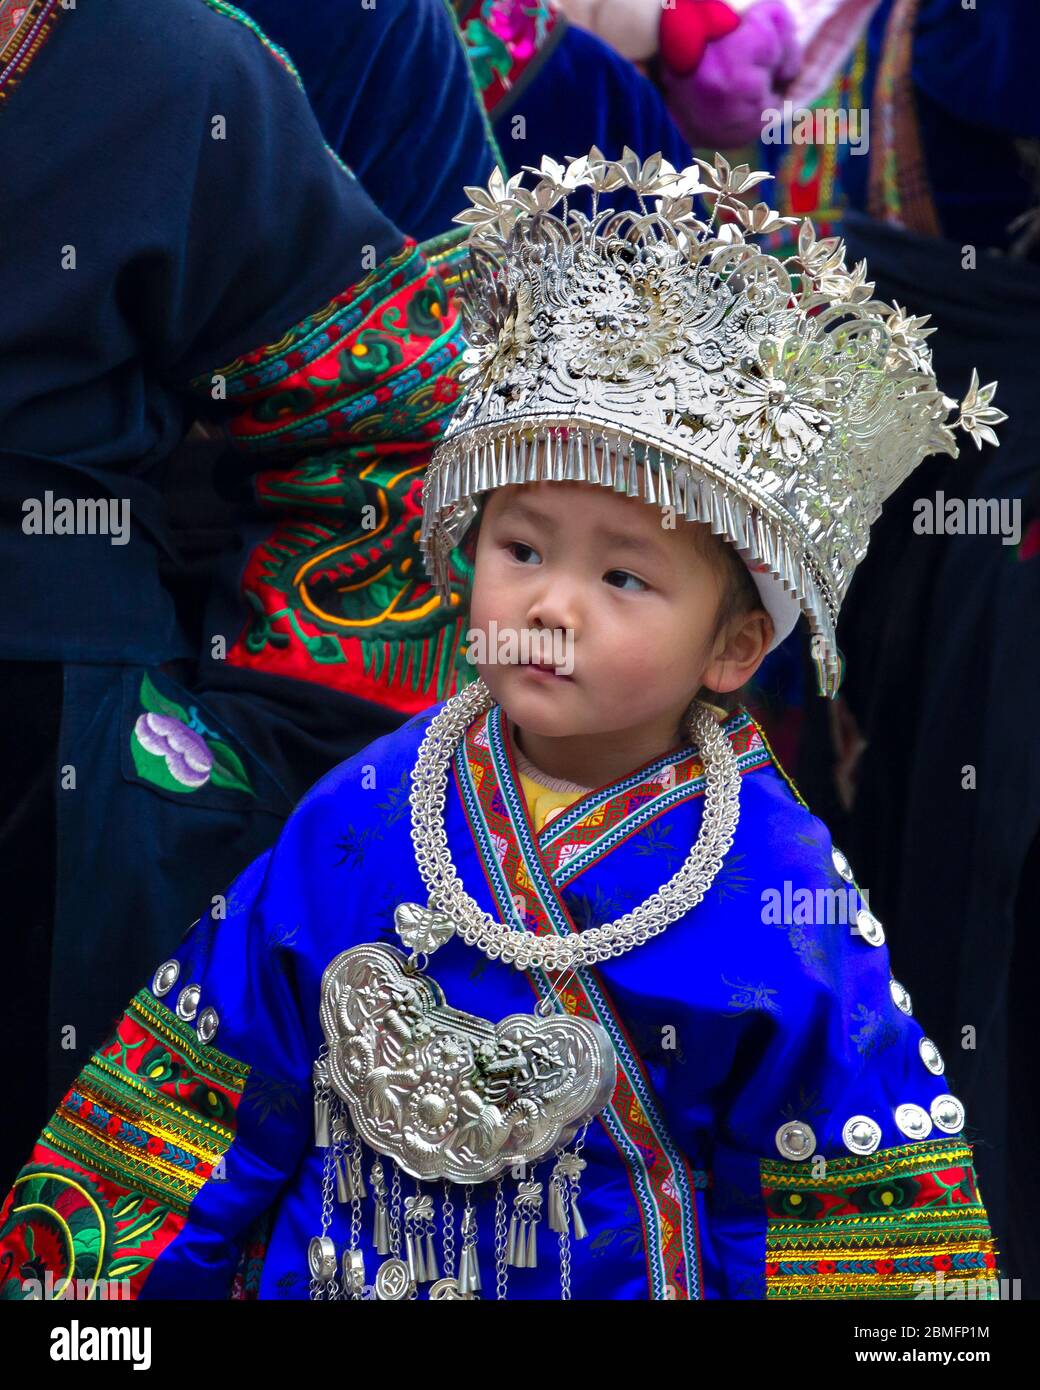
187,755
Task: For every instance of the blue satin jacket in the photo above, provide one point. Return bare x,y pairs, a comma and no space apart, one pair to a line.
780,1126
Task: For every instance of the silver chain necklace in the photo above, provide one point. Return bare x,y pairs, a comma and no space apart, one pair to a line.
451,909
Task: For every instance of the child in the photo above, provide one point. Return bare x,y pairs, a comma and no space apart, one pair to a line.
565,964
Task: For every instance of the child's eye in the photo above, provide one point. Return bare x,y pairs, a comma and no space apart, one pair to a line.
514,546
624,575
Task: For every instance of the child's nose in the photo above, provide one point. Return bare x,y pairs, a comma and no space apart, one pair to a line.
557,606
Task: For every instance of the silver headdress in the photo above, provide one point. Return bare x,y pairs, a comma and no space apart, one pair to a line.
663,356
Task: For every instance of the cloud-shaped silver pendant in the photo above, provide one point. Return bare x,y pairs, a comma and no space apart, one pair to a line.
448,1094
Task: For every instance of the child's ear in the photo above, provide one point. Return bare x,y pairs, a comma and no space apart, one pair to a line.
739,651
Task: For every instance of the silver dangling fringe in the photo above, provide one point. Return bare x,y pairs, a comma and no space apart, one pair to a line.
322,1132
522,1248
344,1186
469,1265
381,1232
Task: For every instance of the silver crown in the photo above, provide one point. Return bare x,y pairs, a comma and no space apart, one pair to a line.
671,358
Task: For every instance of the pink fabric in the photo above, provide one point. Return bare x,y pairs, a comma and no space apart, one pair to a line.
720,104
827,32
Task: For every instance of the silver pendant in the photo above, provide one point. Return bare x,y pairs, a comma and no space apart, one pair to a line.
444,1288
393,1281
421,929
447,1094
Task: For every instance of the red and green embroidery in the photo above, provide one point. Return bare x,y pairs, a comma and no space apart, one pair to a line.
113,1176
358,394
503,39
880,1226
25,25
173,748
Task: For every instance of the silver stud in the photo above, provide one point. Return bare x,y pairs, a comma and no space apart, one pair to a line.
914,1121
207,1025
931,1056
868,926
796,1140
188,1002
948,1114
861,1134
841,864
165,977
900,996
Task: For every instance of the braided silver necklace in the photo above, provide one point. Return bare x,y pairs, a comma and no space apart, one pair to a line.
452,910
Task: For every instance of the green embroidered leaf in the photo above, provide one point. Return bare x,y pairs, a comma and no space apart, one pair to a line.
149,1222
127,1206
228,769
158,704
126,1269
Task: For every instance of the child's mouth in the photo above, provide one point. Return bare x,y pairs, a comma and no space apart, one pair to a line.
546,672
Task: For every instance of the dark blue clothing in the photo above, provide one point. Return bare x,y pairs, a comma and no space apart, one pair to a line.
388,85
139,253
584,93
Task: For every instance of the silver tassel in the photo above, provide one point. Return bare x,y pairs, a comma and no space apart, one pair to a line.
344,1186
570,473
529,465
381,1233
409,1250
664,496
531,1261
580,1229
650,457
547,448
432,1268
513,476
557,1216
322,1136
381,1238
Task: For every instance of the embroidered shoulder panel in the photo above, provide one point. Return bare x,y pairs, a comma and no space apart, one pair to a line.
359,392
114,1173
25,26
895,1224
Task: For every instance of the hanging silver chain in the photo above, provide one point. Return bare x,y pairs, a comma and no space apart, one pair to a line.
448,1232
395,1210
501,1270
498,940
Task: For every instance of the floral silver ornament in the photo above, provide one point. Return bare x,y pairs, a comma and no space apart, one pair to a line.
447,1094
669,358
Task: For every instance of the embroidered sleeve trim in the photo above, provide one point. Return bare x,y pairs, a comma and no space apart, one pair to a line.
353,399
25,25
380,361
896,1224
112,1178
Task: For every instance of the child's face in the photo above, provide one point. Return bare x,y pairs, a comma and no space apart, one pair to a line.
637,601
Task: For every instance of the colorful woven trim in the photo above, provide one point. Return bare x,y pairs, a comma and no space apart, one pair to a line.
337,592
505,41
899,191
600,821
808,181
526,874
882,1226
111,1179
25,25
379,361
